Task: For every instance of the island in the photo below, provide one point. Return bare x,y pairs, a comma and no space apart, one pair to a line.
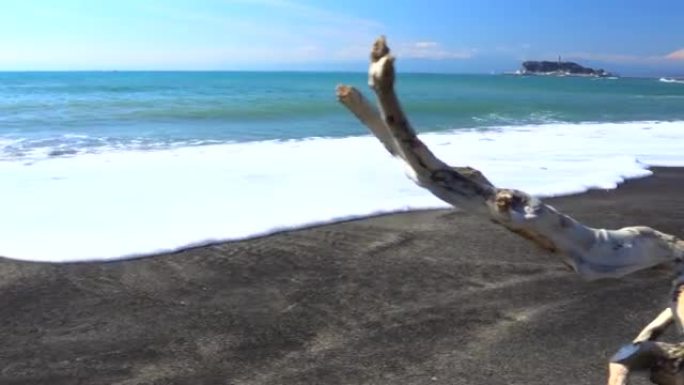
560,68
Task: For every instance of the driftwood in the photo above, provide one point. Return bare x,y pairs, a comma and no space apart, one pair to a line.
592,253
664,361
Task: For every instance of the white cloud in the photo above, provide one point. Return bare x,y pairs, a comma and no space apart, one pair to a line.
609,57
676,55
432,50
176,35
626,58
282,32
426,44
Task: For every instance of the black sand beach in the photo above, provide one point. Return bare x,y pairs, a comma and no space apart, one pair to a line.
432,297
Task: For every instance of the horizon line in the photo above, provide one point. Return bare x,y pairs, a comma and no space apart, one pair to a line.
507,73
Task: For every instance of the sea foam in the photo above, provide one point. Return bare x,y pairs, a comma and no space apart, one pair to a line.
671,80
123,204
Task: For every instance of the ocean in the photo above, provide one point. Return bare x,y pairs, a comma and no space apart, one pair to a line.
111,165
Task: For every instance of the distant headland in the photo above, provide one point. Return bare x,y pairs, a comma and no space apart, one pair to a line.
560,68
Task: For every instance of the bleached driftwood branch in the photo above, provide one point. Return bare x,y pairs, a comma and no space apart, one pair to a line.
593,253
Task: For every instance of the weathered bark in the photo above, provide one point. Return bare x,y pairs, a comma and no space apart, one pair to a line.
593,253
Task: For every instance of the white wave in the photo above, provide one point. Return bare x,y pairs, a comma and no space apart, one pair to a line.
132,203
671,80
36,149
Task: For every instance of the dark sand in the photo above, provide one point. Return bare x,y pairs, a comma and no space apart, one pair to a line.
433,297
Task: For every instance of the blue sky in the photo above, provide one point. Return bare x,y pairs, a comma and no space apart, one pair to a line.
635,37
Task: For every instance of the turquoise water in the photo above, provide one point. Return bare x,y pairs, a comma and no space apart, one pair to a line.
107,165
94,111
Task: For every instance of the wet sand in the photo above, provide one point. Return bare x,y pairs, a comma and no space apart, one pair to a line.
427,297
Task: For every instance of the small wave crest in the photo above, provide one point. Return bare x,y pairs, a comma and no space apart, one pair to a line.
671,80
34,149
539,117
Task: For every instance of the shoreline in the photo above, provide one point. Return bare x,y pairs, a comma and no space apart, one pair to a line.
430,296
